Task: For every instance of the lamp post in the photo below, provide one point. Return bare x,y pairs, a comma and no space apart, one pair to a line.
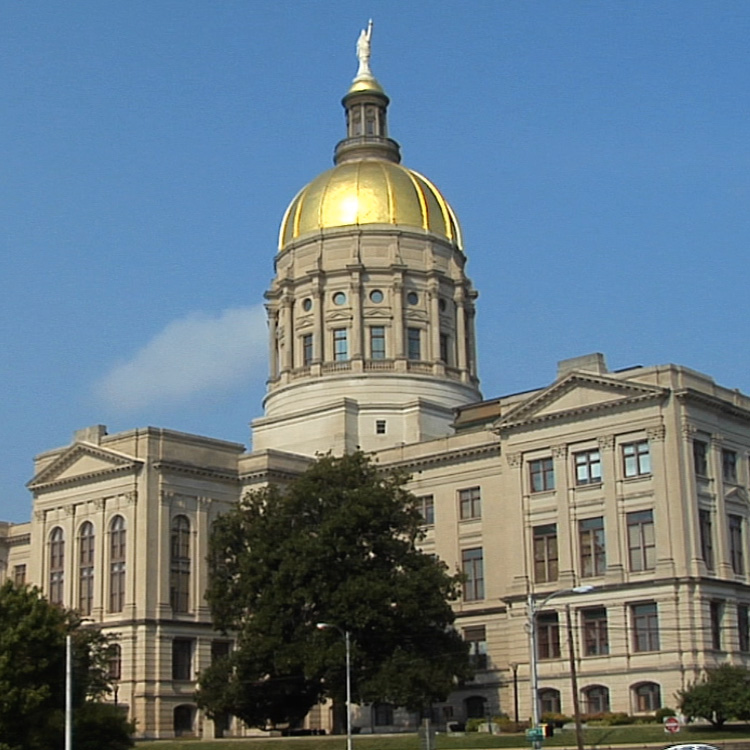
533,609
347,642
68,692
514,666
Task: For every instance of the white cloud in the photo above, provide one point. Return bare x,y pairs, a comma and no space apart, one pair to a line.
192,355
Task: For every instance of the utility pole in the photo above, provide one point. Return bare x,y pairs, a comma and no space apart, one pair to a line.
574,681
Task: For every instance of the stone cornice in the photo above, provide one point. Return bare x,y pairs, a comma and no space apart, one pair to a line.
269,475
445,458
714,402
527,413
221,475
18,541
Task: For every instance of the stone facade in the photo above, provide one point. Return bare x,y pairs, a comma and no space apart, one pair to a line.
634,482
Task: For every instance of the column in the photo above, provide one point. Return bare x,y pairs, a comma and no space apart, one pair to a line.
461,344
398,318
433,353
355,291
287,341
566,566
273,351
723,557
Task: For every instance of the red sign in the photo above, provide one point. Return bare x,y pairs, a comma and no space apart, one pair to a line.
672,724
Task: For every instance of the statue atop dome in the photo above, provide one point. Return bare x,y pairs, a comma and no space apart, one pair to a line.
363,52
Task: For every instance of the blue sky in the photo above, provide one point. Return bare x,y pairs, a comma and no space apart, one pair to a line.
596,154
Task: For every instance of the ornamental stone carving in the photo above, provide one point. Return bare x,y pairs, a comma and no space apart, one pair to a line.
606,442
514,459
656,434
560,451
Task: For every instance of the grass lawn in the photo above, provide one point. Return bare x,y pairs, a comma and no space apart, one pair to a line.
594,737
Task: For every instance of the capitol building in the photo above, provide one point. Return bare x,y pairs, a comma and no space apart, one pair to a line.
624,494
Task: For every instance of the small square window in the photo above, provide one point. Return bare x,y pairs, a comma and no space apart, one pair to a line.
470,503
542,475
588,467
636,459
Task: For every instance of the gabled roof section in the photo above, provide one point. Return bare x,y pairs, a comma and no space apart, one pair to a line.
83,462
578,393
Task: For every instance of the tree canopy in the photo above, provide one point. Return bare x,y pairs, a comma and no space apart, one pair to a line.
338,545
32,677
723,694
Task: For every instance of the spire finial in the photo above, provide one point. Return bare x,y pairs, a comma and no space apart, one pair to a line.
363,52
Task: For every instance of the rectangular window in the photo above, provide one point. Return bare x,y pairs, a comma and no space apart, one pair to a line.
636,459
477,639
595,637
340,345
735,545
729,466
715,614
700,458
591,541
545,553
548,635
641,540
470,503
743,627
377,342
542,475
413,340
307,348
588,467
645,620
220,650
426,508
182,659
472,565
380,425
706,537
19,575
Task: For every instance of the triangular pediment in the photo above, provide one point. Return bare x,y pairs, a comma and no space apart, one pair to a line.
83,462
738,494
579,393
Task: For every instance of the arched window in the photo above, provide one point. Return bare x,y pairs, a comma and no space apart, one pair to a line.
179,579
86,568
475,707
117,549
549,699
646,697
183,720
56,565
596,699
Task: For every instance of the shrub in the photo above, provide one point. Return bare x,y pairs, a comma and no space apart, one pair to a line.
558,720
472,725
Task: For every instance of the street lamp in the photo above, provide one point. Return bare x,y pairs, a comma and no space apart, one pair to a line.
514,666
533,609
347,641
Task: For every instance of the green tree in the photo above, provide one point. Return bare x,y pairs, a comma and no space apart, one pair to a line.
338,545
32,676
722,694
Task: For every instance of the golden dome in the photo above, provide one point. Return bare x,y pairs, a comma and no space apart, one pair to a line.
369,191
